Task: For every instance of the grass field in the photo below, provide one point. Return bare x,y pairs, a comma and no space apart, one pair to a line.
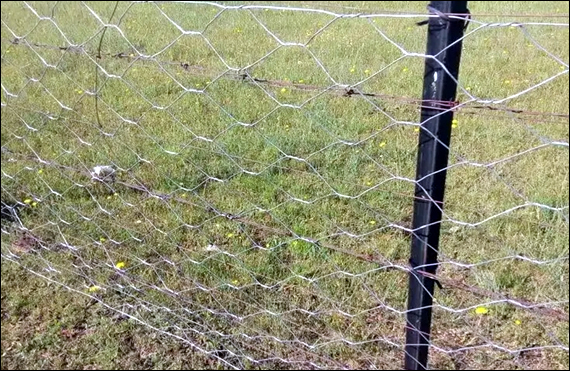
260,215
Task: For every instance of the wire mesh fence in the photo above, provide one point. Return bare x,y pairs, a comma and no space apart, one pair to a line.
241,177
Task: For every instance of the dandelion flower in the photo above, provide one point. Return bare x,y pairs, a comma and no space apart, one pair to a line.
34,204
405,69
367,72
40,171
481,310
120,265
235,282
301,81
28,201
102,239
283,90
372,222
230,235
417,130
94,288
369,183
353,69
382,144
454,123
518,322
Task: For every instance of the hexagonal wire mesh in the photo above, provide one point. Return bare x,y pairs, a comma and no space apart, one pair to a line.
241,177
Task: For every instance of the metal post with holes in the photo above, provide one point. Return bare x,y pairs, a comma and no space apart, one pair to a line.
445,33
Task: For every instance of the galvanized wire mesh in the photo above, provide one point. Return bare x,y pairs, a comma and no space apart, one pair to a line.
240,177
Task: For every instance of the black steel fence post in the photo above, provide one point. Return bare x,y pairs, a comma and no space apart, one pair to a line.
444,41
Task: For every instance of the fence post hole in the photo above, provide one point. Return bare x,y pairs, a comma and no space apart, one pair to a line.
439,91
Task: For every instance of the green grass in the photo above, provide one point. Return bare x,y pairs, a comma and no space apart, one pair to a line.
311,266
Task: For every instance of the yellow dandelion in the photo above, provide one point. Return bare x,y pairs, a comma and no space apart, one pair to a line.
382,144
417,130
518,322
301,81
353,69
115,194
120,265
369,183
454,123
468,88
235,282
80,92
405,69
372,222
34,204
108,197
481,310
367,72
283,90
230,235
28,201
102,239
40,171
183,195
507,82
138,221
94,288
